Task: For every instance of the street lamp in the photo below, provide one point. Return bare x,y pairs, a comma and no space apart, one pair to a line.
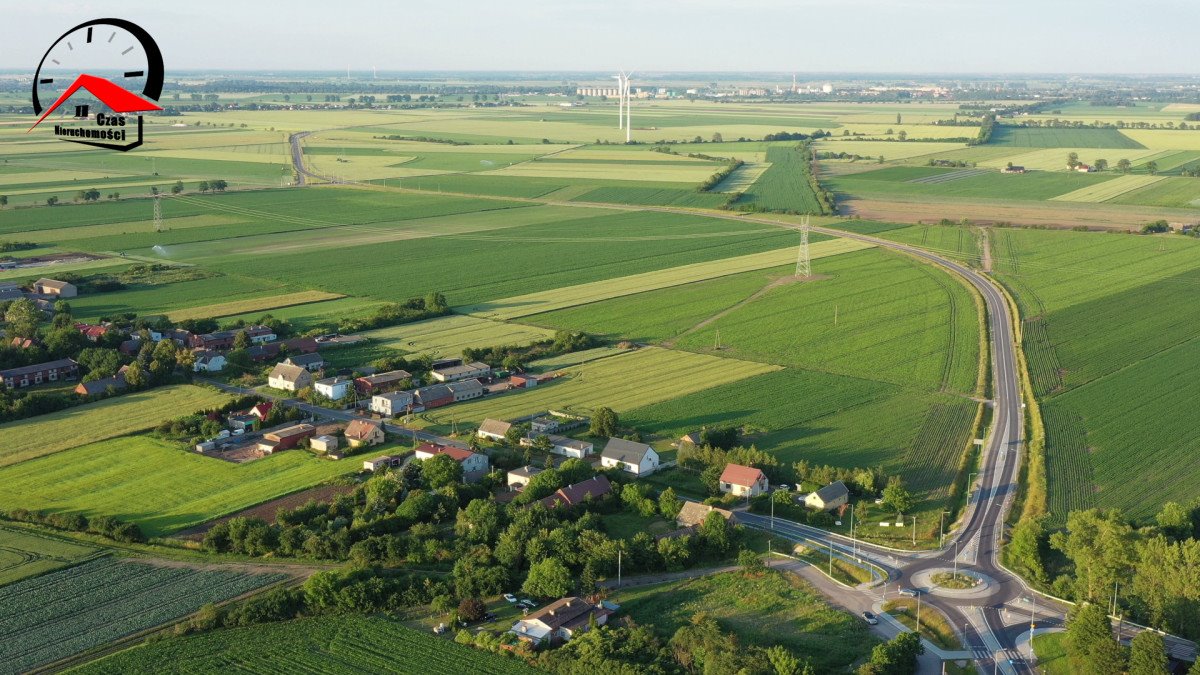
970,478
914,530
942,529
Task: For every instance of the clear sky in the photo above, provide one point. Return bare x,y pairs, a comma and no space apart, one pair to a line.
923,36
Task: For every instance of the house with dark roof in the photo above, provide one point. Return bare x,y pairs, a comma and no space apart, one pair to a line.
574,495
560,620
101,386
310,362
381,382
829,497
632,457
51,371
208,361
433,396
743,481
289,437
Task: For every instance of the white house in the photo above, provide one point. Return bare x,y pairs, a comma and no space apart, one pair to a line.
465,390
569,447
495,430
334,388
829,497
559,621
208,362
743,481
519,478
392,403
638,459
289,378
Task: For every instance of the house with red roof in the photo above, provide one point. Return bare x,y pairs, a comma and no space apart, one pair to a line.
743,481
574,495
472,462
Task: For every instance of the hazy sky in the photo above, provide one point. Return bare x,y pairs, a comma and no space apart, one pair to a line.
967,36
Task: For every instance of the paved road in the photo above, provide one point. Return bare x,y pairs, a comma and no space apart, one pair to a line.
987,628
302,172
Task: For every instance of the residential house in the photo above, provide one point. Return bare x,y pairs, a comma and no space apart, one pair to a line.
51,371
496,430
93,333
243,421
324,443
264,353
284,439
743,481
560,620
130,347
1085,168
523,381
829,497
208,361
472,462
382,382
61,289
334,388
519,478
101,386
382,462
570,447
638,459
22,343
223,339
392,404
262,410
364,432
463,372
543,425
433,396
574,495
310,362
465,390
289,378
300,345
693,514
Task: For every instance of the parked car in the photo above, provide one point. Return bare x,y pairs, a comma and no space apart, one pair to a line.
910,592
509,597
870,619
528,603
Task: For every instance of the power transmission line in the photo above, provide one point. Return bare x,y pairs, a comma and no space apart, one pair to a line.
803,260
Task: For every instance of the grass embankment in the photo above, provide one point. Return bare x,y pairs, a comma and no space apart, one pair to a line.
1051,651
934,627
841,571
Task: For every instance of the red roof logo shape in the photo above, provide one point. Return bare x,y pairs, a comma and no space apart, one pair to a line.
117,98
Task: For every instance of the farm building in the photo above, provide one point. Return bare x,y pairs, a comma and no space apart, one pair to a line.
465,390
54,287
433,396
829,497
243,421
544,425
300,345
1085,168
289,378
310,362
472,462
208,361
743,481
463,372
560,620
519,478
574,495
382,382
364,432
97,387
264,353
382,462
51,371
562,445
334,388
392,403
493,429
638,459
284,439
92,332
324,443
523,381
692,438
693,514
1013,169
223,339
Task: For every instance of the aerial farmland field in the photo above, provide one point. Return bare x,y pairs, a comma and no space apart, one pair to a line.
67,612
48,434
27,553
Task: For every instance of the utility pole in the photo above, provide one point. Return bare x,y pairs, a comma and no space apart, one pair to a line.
619,567
768,552
830,542
914,530
853,541
803,261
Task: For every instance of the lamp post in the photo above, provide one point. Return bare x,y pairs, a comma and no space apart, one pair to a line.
970,479
914,530
853,541
942,529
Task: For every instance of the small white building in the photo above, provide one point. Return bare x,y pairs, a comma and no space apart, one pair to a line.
519,478
334,388
392,404
323,443
632,457
496,430
570,447
208,362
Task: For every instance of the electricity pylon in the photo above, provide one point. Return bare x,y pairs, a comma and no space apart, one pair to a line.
158,225
803,262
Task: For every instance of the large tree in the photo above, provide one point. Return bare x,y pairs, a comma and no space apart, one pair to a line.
441,470
1101,545
604,422
22,318
897,497
548,578
1148,654
1090,642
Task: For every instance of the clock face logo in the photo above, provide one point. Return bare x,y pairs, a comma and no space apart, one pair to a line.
114,63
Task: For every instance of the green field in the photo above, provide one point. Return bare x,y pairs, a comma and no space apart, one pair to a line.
447,336
48,434
63,613
330,644
775,608
1035,185
1042,137
26,554
160,486
621,382
1108,337
1171,191
783,186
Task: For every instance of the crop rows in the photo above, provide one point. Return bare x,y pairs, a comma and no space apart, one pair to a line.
1044,368
1102,192
784,185
332,645
949,176
1068,464
934,455
66,612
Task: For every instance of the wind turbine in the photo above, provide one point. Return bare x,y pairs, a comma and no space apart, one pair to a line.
620,78
628,109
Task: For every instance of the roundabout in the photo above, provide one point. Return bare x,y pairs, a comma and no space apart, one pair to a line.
942,582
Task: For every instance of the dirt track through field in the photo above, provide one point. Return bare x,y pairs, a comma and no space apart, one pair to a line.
782,281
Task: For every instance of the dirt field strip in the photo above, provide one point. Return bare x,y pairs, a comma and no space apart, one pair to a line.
252,305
